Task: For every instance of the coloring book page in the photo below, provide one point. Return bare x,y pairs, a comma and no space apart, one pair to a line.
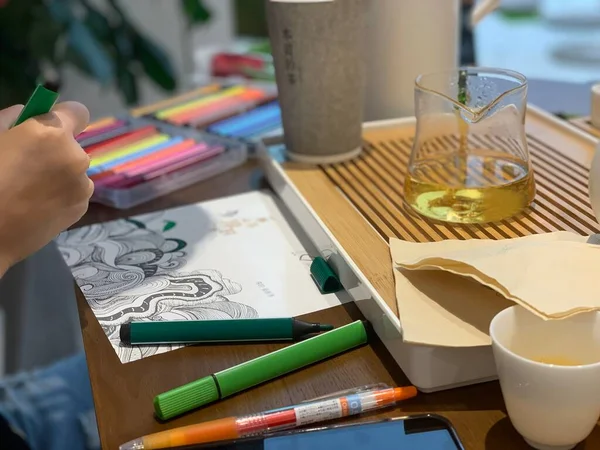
231,258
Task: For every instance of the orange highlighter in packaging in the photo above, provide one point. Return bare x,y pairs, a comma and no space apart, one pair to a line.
334,406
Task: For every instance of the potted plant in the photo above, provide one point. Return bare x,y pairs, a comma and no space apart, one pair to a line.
38,38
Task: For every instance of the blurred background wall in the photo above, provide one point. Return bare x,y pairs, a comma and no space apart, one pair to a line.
557,41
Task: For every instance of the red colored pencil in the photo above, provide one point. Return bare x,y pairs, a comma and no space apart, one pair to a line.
123,140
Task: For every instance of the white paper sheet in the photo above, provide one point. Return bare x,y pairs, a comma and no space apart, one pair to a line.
235,257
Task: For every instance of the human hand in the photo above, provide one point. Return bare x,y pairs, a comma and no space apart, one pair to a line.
44,188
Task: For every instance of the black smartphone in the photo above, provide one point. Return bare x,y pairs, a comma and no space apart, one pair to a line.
427,432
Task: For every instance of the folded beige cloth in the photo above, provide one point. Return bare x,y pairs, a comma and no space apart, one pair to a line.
448,292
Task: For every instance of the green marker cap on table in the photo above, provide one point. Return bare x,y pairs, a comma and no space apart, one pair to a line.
41,102
256,371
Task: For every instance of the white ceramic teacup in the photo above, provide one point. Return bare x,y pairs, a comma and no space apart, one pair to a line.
553,406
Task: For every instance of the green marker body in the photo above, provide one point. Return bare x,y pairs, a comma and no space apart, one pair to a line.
194,331
41,102
246,375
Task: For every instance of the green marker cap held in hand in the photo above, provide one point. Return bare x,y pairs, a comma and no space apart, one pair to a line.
256,371
41,102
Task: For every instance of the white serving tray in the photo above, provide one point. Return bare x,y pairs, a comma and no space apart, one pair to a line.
427,367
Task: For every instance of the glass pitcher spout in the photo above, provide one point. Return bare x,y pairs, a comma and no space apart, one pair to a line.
469,161
457,91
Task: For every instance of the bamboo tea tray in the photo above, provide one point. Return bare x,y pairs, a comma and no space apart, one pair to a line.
585,124
350,211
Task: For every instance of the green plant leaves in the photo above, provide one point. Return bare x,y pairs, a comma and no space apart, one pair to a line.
195,11
155,62
98,24
102,43
127,83
91,52
44,33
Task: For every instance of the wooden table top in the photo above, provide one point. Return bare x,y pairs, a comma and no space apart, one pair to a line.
123,393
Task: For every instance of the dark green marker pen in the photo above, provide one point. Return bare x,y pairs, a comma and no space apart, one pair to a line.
195,331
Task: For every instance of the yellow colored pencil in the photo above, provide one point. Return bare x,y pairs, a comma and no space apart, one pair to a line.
129,149
166,113
172,101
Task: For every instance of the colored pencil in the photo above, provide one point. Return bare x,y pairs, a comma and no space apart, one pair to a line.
185,159
246,124
146,159
122,140
100,123
179,163
100,130
166,113
223,105
204,90
129,149
208,118
120,157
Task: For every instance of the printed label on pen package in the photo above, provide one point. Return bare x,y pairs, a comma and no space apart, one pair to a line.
327,410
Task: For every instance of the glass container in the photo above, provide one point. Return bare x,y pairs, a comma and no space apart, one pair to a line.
469,161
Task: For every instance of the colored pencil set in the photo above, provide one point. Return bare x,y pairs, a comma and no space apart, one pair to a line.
133,160
239,111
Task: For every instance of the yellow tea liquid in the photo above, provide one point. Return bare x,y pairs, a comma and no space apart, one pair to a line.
475,186
558,360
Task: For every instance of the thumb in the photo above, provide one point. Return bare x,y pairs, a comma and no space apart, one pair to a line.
73,116
9,116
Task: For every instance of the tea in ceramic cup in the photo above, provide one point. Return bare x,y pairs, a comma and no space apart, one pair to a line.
549,372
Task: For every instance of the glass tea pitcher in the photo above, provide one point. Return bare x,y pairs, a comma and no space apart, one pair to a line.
469,161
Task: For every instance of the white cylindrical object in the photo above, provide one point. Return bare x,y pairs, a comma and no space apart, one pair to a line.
404,39
595,108
594,183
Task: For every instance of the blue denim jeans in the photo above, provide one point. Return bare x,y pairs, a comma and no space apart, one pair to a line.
52,408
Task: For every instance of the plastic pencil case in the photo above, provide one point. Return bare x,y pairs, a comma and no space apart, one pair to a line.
235,154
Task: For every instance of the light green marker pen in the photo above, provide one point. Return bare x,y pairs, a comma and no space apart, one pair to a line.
256,371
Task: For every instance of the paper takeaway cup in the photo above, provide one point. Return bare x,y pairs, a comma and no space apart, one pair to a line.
549,372
595,106
317,48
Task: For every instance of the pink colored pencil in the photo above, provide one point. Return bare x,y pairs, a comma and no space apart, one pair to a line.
176,165
125,182
97,131
154,165
142,171
121,171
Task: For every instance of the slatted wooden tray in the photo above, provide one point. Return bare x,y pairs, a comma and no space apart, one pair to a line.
585,124
361,202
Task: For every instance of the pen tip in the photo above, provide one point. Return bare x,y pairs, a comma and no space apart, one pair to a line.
404,393
125,336
325,327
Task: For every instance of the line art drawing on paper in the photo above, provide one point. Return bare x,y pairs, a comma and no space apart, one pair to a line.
128,271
